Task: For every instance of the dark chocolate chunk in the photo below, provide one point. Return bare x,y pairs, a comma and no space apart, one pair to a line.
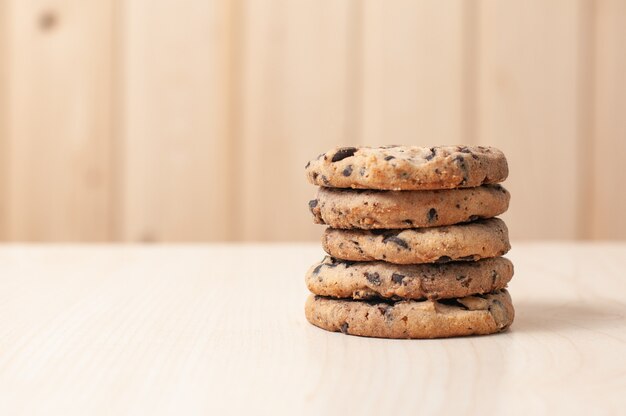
397,278
344,328
315,175
313,203
317,268
433,152
325,180
373,278
343,153
443,259
335,262
461,162
396,240
307,164
347,171
389,157
383,309
432,215
494,277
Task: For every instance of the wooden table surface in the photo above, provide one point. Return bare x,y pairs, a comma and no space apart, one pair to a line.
220,329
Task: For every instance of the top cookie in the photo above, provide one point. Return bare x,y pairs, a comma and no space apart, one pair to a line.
400,168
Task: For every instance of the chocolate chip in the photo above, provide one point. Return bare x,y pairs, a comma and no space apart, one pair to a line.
396,240
397,278
347,171
389,158
315,175
336,262
464,149
325,180
317,268
432,215
343,153
373,278
458,206
494,277
362,171
433,152
443,259
344,328
332,264
307,164
313,203
461,162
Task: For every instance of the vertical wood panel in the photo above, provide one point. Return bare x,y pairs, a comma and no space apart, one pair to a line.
414,72
294,104
59,116
4,83
608,198
175,133
529,87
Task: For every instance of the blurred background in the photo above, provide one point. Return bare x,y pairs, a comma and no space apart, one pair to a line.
170,120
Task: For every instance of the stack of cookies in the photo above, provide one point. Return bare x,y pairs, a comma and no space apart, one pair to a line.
414,250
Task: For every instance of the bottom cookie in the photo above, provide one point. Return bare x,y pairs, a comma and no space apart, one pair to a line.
471,315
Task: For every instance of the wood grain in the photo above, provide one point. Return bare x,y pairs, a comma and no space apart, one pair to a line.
607,147
175,142
59,120
528,90
4,83
169,121
413,73
295,102
120,330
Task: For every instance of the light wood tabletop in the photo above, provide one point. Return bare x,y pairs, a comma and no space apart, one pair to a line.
220,329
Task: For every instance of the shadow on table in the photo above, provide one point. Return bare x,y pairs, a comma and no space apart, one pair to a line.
550,316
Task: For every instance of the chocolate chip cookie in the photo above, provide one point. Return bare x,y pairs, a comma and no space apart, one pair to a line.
368,209
378,279
408,167
471,241
471,315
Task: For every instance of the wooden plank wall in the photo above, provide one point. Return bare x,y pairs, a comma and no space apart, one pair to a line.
191,121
